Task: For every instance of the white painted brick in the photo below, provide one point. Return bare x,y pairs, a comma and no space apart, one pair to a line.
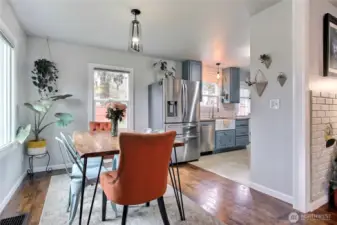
334,101
318,121
313,100
314,113
328,101
325,94
320,101
316,107
333,107
326,120
332,95
321,114
326,107
332,119
316,93
317,141
317,134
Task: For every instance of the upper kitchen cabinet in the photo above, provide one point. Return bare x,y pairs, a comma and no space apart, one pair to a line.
231,85
192,70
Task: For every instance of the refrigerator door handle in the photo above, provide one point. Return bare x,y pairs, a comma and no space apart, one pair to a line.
182,101
186,101
190,137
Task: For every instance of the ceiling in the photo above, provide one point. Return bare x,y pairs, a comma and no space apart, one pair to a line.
207,30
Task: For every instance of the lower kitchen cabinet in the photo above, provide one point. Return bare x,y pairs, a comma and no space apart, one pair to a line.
224,139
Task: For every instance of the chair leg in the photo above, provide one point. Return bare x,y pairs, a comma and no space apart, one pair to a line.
125,213
114,208
75,200
148,204
104,200
162,209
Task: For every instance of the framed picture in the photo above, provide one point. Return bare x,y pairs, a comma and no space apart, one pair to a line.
330,45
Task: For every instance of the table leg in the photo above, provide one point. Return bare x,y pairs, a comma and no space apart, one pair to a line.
84,177
93,198
177,187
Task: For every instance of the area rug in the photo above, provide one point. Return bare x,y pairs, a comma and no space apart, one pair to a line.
54,210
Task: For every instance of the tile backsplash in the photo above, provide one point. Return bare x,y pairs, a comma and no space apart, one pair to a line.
224,110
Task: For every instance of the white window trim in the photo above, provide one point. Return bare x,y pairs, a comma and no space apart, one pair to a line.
13,41
130,111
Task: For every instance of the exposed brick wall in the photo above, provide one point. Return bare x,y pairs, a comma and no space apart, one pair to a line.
323,112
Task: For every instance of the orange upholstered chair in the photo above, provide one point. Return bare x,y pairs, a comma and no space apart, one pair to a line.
142,173
100,126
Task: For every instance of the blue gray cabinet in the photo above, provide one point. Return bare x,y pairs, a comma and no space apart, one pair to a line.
224,139
192,70
241,132
231,85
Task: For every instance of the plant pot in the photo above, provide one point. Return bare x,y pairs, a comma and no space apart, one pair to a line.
37,147
335,198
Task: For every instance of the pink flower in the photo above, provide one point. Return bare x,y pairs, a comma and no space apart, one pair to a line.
117,105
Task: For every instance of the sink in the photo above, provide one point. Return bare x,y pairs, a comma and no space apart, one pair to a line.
224,124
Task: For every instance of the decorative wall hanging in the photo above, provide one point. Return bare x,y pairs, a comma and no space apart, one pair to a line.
266,60
261,82
249,82
135,33
282,78
330,45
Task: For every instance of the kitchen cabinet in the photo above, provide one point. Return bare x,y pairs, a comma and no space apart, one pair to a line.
224,139
230,92
192,70
241,132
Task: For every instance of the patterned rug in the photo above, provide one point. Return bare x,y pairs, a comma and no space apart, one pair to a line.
54,211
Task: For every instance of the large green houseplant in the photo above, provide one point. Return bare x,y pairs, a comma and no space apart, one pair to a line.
45,75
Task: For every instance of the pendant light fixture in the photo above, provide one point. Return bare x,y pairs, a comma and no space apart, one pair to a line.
135,33
218,73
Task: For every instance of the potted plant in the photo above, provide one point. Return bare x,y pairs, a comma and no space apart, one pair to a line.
333,182
45,75
115,112
163,68
40,109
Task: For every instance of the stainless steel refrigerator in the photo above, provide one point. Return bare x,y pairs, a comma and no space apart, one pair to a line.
174,105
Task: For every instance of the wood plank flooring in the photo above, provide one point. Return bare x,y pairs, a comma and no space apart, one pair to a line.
230,202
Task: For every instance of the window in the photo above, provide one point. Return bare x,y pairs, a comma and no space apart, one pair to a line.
111,84
244,105
6,92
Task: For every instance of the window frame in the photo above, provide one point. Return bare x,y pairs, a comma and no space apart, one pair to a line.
6,35
91,102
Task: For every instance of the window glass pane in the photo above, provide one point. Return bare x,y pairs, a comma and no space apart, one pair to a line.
209,101
110,86
209,88
6,111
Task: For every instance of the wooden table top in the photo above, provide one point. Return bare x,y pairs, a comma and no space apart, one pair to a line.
93,144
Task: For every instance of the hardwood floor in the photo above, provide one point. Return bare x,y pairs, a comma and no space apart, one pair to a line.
230,202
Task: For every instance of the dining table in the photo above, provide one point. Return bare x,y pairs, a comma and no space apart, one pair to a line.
102,144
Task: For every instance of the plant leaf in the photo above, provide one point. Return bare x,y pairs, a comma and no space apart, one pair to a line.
22,133
59,97
30,106
64,119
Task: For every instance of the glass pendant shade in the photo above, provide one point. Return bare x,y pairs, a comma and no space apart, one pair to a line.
135,36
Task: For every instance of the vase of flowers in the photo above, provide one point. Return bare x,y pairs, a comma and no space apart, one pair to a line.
115,113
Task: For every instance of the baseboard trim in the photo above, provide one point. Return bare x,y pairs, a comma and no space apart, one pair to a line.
12,192
53,167
271,192
318,203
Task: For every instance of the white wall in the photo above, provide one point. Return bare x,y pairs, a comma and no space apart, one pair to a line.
72,61
271,130
12,164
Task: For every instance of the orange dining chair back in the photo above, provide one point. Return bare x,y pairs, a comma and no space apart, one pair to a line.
142,173
100,126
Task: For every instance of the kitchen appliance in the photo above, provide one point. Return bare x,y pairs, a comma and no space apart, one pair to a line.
174,105
207,134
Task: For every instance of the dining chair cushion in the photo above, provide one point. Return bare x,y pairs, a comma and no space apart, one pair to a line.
143,168
92,172
100,126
